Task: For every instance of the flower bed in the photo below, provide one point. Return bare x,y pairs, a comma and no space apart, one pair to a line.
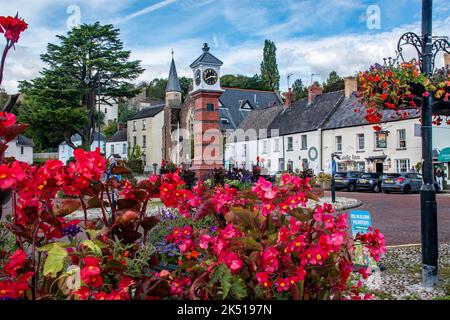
262,243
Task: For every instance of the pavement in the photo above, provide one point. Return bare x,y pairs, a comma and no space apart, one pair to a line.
398,215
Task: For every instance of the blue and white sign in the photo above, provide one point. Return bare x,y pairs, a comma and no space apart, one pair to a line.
361,221
334,167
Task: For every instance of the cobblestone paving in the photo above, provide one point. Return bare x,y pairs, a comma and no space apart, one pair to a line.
402,277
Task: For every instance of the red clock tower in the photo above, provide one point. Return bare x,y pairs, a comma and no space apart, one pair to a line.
208,140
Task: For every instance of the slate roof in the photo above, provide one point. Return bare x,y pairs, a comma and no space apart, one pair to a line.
345,115
260,119
173,84
206,58
24,141
233,99
119,136
301,117
148,112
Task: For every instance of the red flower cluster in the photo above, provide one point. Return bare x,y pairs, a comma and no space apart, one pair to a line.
12,27
16,285
301,242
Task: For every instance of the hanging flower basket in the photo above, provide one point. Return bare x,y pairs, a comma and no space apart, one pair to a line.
401,89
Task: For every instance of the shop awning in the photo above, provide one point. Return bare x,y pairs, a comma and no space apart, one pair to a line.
444,155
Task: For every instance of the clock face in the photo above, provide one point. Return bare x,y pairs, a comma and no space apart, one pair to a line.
210,76
198,77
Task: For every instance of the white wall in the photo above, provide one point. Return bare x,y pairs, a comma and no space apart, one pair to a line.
120,148
19,152
393,152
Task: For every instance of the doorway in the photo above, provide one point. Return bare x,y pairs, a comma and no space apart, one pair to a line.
379,167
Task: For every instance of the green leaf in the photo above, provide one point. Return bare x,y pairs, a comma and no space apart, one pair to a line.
222,274
55,261
93,247
238,288
50,246
93,233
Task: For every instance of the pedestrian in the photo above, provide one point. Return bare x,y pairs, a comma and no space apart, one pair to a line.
440,178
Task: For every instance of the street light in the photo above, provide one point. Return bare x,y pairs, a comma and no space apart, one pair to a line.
333,171
427,50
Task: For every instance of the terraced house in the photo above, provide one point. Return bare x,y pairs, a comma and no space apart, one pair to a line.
305,133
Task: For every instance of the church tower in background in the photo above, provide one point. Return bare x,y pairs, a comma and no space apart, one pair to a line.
172,109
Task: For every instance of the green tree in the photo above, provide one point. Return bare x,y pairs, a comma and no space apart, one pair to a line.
89,64
269,68
126,111
156,89
334,83
110,129
242,82
300,91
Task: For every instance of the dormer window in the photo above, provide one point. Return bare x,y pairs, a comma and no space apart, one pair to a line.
245,105
224,121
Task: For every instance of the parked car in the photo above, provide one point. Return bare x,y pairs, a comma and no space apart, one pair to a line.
346,180
370,182
403,182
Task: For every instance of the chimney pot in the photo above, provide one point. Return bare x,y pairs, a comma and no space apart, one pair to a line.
314,91
351,85
288,97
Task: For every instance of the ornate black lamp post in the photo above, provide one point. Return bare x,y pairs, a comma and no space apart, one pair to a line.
427,50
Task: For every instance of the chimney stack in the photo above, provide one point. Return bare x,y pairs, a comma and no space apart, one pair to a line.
288,97
314,91
447,60
351,85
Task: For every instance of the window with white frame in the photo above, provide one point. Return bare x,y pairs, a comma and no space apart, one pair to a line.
144,141
134,125
290,144
143,125
402,165
401,136
112,149
338,143
360,143
244,150
124,148
304,142
134,141
21,150
276,145
264,147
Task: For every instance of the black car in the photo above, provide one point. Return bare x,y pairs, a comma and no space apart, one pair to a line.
370,182
346,180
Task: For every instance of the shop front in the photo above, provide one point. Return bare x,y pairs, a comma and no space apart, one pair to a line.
443,163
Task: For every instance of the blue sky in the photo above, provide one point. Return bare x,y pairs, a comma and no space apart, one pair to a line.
312,36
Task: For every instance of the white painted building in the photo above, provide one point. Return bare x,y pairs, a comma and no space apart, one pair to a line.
310,130
146,130
65,152
110,109
117,144
21,148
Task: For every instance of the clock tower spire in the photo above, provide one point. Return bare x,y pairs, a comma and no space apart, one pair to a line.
208,139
